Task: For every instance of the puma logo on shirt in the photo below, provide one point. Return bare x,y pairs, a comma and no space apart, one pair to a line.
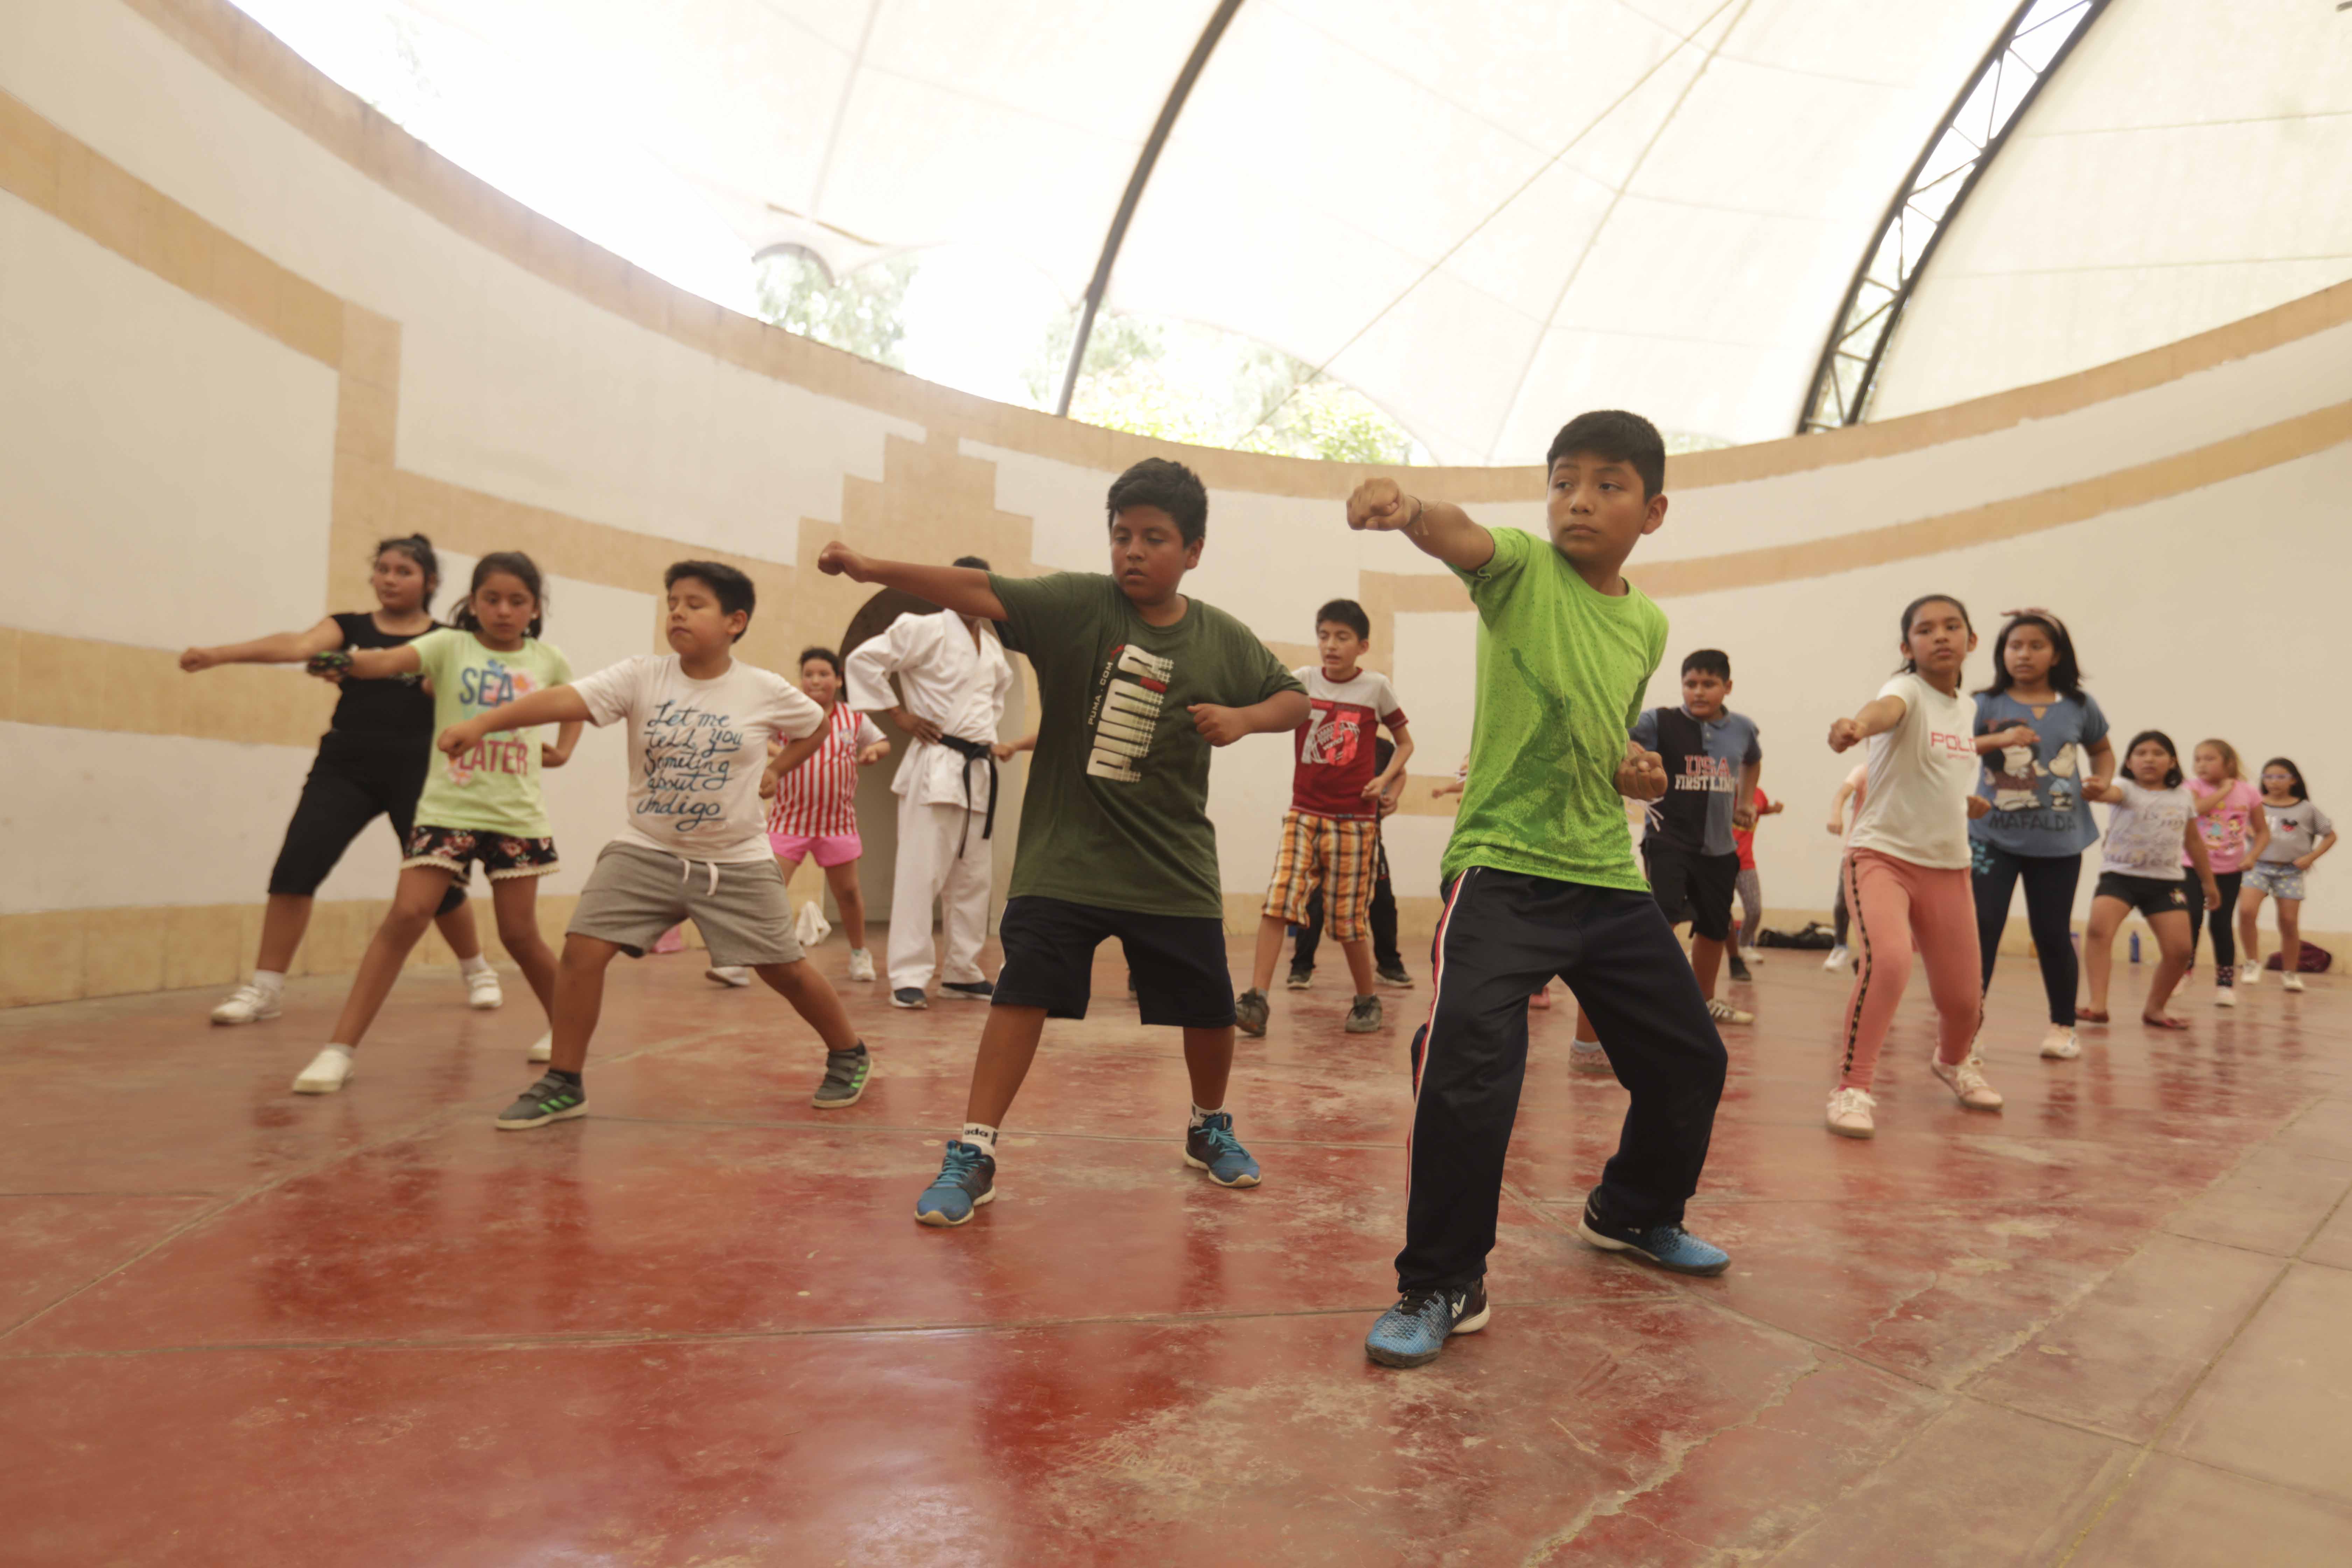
1127,713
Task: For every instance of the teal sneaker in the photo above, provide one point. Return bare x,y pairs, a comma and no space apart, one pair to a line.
1212,1147
1667,1246
1411,1332
966,1179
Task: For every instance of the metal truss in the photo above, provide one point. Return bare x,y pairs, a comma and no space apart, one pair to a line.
2039,37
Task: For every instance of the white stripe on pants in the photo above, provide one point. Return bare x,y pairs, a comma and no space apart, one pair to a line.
929,867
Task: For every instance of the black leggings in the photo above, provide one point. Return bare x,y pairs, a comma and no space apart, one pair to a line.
2050,883
2223,921
355,780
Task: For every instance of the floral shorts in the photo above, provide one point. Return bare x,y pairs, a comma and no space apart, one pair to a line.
2279,879
454,849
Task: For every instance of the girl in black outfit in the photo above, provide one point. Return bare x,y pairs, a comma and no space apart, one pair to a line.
371,763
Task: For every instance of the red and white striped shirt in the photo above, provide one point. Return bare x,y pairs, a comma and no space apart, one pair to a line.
819,796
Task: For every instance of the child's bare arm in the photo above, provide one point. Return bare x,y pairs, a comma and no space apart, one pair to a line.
367,664
560,705
281,648
963,589
1877,717
1436,528
1395,770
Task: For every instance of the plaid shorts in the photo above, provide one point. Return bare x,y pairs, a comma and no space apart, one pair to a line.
1342,855
455,850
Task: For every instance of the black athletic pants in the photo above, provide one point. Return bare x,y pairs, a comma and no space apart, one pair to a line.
1502,935
355,780
1385,954
2223,920
2050,883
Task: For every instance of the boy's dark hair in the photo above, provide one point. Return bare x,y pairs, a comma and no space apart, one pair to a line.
1618,436
514,564
2302,791
1714,661
1348,613
2065,670
976,562
2171,775
1911,613
419,549
731,588
1172,486
826,653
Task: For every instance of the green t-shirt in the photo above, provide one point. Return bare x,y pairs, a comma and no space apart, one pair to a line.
1561,669
1116,813
494,788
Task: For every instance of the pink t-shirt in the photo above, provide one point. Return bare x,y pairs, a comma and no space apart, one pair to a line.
2228,827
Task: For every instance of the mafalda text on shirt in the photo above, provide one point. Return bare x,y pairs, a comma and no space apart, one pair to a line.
1128,700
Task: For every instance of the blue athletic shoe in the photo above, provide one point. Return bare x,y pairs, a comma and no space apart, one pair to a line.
1212,1147
966,1179
1667,1246
1411,1332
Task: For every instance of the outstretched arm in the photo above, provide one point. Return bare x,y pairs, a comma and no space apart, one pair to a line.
1640,774
1436,528
560,705
334,667
963,589
1877,716
1223,726
283,648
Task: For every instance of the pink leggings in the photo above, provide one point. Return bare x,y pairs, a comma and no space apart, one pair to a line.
1897,905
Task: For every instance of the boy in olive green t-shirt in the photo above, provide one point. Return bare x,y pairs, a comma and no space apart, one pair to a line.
1541,881
1137,684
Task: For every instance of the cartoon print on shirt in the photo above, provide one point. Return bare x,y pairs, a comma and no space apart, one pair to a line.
1333,738
2012,778
2064,793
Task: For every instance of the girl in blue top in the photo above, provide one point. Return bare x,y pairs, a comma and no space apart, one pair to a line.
2041,738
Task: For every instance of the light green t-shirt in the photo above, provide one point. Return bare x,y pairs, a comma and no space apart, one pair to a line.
1116,813
493,788
1561,670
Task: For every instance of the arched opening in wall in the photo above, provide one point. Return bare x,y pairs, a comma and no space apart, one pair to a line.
878,807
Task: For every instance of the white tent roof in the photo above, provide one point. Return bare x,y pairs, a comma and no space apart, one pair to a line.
2190,165
1483,215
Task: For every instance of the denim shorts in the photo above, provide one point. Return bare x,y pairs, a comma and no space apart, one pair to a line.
2279,879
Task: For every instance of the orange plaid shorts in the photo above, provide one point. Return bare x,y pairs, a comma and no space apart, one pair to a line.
1343,856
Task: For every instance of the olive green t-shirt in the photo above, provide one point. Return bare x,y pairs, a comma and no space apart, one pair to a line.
1561,670
1116,813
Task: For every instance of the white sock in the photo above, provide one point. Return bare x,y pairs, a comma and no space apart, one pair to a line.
269,981
344,1051
477,965
980,1136
1201,1117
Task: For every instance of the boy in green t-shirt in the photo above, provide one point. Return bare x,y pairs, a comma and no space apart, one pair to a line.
1137,682
1541,881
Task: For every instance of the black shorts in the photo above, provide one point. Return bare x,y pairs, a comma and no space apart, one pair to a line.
2151,895
355,779
1694,888
1178,961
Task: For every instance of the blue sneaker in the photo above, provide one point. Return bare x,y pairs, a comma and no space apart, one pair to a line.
1667,1246
1411,1332
966,1179
1212,1147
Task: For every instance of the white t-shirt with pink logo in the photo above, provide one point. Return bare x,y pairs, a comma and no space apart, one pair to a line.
1915,807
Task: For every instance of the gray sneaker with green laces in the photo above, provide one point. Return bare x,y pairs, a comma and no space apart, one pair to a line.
551,1098
843,1083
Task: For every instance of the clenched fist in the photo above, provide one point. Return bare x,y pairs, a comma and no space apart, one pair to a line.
1218,726
838,560
1642,776
1845,735
1378,504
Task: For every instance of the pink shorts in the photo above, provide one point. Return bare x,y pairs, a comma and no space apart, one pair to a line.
828,849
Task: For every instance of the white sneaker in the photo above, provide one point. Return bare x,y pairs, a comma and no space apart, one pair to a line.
728,974
2225,996
1750,955
1836,959
1592,1060
1723,1012
544,1048
1849,1114
2291,982
247,1005
2247,974
861,964
482,992
2059,1045
328,1071
1966,1081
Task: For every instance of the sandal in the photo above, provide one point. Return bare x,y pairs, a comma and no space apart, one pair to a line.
2090,1015
2166,1022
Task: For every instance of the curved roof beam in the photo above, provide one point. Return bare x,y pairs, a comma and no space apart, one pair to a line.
1963,144
1100,284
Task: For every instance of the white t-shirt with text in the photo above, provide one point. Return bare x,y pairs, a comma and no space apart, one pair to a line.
2149,832
1915,804
697,749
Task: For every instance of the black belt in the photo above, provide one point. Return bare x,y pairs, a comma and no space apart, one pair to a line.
974,752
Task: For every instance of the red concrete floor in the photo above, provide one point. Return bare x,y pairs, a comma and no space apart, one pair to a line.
700,1326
